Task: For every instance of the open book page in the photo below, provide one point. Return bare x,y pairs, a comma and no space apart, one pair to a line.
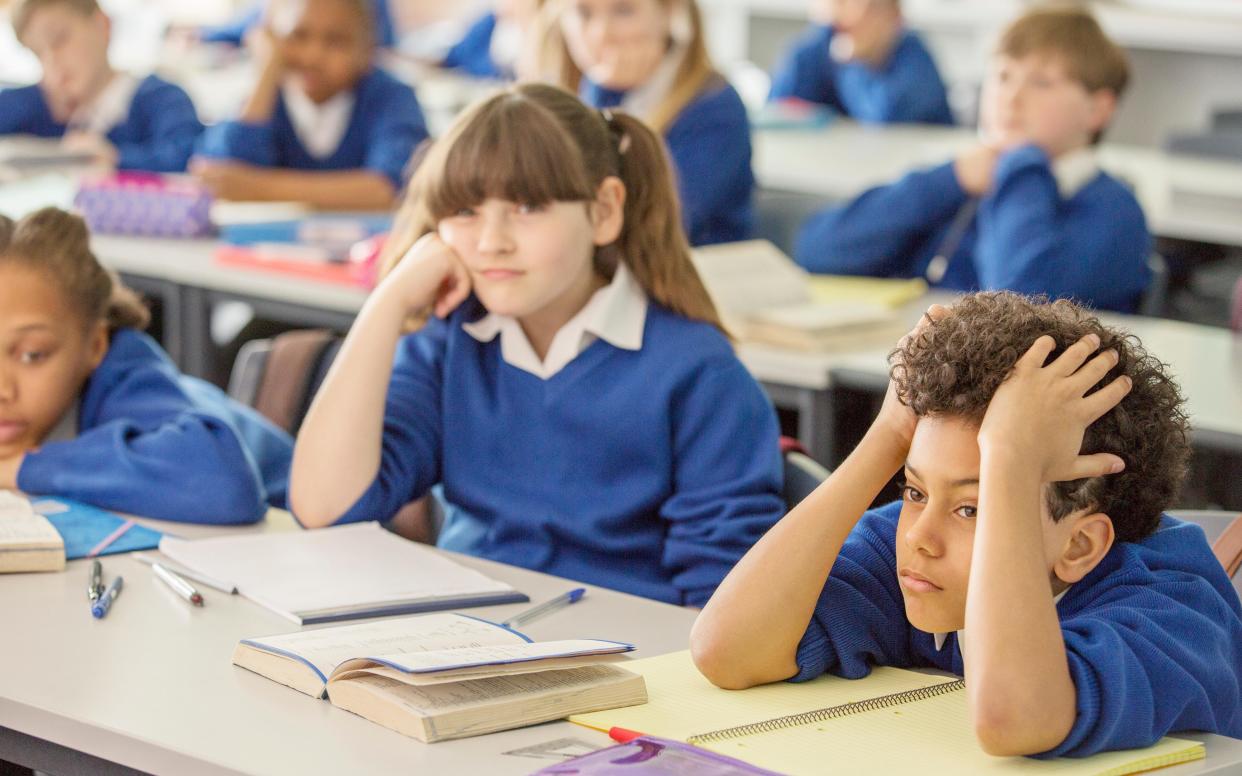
21,528
324,649
930,737
452,665
330,568
682,703
744,278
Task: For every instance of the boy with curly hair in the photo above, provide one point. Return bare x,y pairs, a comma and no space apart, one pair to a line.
1028,552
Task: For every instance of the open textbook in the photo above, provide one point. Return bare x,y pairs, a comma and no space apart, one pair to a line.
28,540
765,297
441,676
892,721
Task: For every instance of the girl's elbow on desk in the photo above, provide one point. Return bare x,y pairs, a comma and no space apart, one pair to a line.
719,659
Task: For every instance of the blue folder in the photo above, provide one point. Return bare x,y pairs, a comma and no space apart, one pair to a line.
83,527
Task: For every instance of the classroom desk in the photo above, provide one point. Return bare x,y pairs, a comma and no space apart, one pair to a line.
1182,196
151,687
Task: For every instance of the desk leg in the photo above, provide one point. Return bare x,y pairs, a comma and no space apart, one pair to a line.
196,345
26,750
816,419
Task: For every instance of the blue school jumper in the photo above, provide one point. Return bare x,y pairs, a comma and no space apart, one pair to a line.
158,134
650,471
385,127
1153,634
153,442
234,32
472,54
709,142
907,88
1024,237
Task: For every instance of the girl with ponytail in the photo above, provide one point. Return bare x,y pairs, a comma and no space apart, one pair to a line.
92,409
566,380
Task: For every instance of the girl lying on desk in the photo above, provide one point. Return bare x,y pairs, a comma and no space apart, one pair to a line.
574,394
92,409
323,125
649,58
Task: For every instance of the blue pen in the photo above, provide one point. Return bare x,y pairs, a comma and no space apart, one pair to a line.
100,608
547,607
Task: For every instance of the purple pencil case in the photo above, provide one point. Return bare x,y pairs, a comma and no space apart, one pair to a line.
145,205
651,756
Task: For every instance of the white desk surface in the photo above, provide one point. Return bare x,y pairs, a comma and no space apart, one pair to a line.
152,687
1182,196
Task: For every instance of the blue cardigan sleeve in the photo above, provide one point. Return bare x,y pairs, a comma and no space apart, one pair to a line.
146,448
881,231
1149,659
412,444
1033,242
906,89
250,143
173,129
19,107
394,133
727,477
860,618
805,71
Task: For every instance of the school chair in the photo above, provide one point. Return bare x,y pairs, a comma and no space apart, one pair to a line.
1224,531
1157,293
803,473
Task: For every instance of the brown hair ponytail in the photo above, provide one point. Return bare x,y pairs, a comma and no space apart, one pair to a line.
58,244
538,144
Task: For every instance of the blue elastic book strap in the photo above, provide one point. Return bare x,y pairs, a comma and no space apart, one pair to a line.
83,527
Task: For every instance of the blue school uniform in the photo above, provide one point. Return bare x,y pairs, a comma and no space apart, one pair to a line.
621,469
1153,634
709,143
234,32
157,135
153,442
1024,236
906,88
385,126
472,54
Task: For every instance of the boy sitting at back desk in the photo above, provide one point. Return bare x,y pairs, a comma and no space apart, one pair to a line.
1028,552
342,129
119,120
1027,208
865,64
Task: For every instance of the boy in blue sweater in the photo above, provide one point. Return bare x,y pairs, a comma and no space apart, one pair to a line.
1028,553
1027,208
864,63
119,120
340,131
92,409
492,46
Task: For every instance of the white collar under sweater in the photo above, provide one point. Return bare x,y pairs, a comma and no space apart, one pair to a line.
615,313
1075,170
320,127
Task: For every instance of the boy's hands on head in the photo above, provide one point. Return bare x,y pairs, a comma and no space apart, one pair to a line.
1040,413
430,278
895,416
227,179
975,168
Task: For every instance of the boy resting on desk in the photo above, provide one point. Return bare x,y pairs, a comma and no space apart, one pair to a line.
342,129
1028,552
1027,208
864,62
119,120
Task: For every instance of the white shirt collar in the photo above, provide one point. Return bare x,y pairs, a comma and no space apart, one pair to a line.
1075,170
319,127
941,638
109,108
616,313
643,100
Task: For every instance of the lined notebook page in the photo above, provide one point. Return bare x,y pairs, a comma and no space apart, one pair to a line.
681,703
931,737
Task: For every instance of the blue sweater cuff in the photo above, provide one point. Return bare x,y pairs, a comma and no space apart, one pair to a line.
1018,160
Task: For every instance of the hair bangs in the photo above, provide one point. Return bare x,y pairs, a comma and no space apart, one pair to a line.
511,149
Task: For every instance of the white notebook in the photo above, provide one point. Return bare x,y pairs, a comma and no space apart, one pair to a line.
28,541
339,573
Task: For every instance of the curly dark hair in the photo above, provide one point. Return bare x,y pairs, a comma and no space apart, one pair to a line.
954,366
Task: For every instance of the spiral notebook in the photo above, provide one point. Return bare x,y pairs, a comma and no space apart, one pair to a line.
894,721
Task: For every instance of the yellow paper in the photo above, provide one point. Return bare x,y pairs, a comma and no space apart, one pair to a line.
887,292
929,737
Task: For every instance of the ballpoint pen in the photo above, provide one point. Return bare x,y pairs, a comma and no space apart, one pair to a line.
95,589
547,607
100,608
178,585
